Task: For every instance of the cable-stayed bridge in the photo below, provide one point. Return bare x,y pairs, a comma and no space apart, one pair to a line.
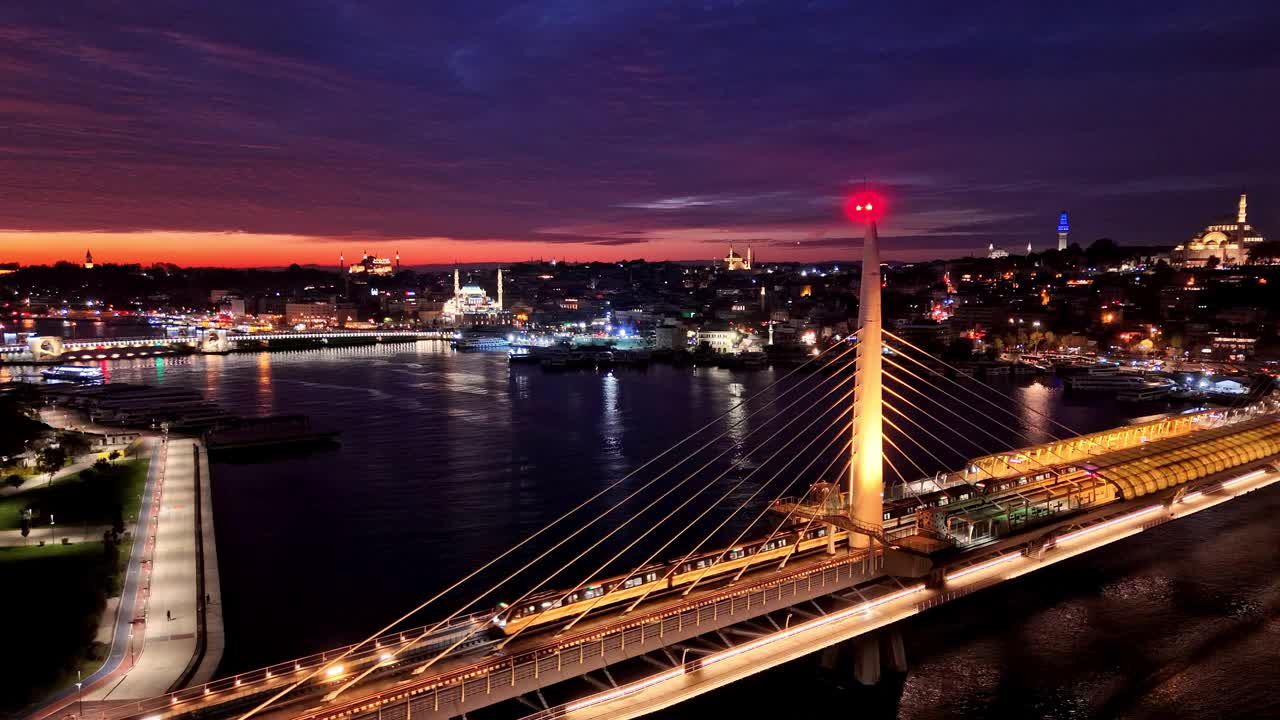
869,485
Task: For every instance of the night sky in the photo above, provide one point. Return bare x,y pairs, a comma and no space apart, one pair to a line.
252,132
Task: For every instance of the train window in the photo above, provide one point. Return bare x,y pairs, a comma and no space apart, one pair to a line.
964,496
735,553
783,542
571,598
592,592
820,532
1022,481
888,516
632,582
650,577
943,500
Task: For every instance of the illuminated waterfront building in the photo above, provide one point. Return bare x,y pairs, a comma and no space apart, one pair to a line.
1228,242
471,305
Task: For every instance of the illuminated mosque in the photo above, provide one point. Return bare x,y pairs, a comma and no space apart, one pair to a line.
471,305
734,262
1229,242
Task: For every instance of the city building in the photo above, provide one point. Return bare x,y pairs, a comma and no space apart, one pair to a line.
724,340
1064,230
1228,242
309,313
471,305
88,260
733,261
673,336
996,253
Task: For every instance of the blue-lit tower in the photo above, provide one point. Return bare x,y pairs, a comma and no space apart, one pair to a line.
1064,229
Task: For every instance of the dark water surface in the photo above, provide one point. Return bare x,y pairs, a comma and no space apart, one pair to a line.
446,459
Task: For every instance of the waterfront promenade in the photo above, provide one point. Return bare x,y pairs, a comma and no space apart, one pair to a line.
159,639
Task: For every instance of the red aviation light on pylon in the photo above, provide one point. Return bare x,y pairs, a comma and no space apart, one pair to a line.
864,206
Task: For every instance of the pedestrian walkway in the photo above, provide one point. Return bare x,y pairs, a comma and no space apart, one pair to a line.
169,639
71,533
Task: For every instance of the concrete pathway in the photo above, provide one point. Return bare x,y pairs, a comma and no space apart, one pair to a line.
73,533
171,616
35,482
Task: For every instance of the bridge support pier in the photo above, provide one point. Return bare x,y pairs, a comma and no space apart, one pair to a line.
829,658
866,659
897,652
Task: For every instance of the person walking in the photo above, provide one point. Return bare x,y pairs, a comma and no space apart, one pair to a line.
168,615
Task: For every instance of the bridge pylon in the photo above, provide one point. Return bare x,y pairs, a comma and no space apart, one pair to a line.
856,503
866,468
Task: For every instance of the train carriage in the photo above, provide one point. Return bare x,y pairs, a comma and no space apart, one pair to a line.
552,606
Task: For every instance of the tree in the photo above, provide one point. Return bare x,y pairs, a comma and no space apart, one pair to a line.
117,519
101,464
114,455
1212,262
15,480
75,444
51,460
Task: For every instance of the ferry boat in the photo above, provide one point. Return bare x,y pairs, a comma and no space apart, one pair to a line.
77,374
466,343
1126,387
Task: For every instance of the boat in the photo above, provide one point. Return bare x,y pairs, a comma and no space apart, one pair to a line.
479,342
521,356
1127,387
75,374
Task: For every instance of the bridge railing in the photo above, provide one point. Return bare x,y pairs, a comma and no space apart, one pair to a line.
247,680
482,678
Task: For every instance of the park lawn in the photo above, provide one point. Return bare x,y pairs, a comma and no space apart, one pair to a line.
74,501
52,600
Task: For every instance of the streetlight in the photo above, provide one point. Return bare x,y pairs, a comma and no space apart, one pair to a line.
79,696
51,528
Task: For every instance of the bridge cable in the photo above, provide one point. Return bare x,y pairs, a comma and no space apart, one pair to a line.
509,551
1070,431
708,485
423,667
733,488
674,566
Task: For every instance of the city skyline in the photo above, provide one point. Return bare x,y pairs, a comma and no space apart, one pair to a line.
595,131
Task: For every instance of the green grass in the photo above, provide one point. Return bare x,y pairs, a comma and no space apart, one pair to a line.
51,601
75,501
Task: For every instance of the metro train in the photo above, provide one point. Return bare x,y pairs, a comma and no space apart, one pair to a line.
553,605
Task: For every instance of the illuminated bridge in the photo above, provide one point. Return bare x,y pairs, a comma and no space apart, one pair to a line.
50,348
813,515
